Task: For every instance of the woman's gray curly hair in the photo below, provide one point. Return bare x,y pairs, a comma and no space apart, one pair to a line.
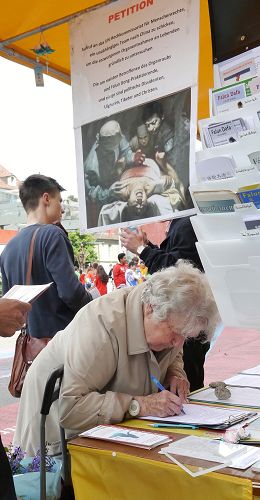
183,290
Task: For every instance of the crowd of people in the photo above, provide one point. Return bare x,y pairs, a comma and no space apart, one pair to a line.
158,321
119,275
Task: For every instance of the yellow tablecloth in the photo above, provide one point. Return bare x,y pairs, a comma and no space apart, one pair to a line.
104,475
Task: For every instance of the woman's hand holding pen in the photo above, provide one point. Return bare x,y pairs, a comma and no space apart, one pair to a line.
179,386
161,404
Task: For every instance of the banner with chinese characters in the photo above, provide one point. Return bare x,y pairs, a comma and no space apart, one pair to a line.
134,71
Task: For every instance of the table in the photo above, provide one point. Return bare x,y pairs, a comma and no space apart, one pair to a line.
107,471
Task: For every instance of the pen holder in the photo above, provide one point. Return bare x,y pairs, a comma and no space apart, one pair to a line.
221,390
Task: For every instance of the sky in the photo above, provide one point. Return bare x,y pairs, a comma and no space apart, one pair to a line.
36,126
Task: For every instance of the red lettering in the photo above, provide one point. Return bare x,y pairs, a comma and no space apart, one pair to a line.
130,10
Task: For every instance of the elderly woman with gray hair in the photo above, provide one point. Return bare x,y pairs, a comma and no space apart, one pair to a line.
110,350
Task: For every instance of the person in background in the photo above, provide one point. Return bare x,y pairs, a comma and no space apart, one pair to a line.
141,278
110,272
143,269
111,349
101,280
95,266
90,275
131,277
12,317
82,277
180,243
110,285
53,259
119,270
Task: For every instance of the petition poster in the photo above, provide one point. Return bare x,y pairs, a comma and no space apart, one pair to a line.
134,82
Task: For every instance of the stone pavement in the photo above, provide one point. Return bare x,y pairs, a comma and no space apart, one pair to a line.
235,350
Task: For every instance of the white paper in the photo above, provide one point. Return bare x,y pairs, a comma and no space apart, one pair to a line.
230,128
237,68
201,414
235,96
244,380
240,396
252,371
123,59
237,456
123,435
216,168
226,132
26,293
114,59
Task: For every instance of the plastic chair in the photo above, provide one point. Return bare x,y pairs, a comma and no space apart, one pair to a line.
51,394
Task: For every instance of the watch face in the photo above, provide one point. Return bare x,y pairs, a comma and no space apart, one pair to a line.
134,408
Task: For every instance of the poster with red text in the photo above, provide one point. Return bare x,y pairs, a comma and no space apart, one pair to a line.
134,69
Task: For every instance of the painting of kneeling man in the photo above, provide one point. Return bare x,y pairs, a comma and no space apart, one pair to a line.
136,162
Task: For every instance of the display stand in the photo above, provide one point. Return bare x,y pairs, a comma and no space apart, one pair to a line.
227,227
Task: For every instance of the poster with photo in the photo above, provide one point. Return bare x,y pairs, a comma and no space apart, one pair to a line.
134,83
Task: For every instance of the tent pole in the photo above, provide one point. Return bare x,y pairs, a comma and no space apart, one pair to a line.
48,26
31,62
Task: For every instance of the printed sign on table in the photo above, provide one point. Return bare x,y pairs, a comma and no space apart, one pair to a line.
134,82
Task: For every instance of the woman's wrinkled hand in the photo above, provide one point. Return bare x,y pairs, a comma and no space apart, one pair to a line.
180,387
161,404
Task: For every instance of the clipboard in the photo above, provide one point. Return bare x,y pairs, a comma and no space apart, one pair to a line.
204,416
231,421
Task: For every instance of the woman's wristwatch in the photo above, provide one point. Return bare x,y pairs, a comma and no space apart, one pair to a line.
134,408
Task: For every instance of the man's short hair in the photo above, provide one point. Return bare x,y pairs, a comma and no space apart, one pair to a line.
120,256
33,188
153,108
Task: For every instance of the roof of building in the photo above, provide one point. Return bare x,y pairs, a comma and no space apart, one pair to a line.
4,172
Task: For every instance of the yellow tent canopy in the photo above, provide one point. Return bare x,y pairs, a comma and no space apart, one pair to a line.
22,23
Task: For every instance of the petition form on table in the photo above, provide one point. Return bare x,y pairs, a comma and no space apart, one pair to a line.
204,416
247,397
252,371
244,380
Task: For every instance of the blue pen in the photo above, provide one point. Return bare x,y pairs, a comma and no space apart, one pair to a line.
161,388
157,383
175,426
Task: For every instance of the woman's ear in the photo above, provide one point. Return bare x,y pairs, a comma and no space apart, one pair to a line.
148,309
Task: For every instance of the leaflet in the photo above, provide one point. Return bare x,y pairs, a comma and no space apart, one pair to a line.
235,96
26,293
124,435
